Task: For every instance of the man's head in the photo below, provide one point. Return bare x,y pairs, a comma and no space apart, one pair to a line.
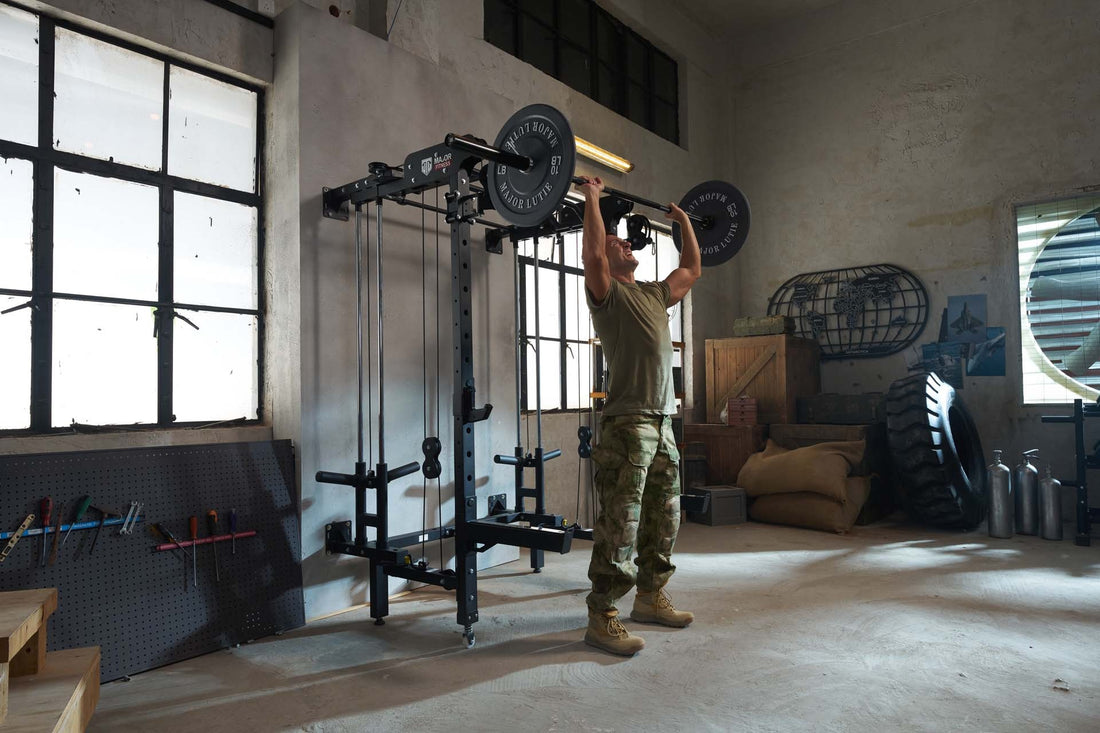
620,257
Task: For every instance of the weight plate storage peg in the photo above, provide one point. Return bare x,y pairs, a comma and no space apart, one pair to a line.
529,197
727,213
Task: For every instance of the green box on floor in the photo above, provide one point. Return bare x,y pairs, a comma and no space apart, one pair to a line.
727,505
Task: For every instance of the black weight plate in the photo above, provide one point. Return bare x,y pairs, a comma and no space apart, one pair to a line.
728,210
528,198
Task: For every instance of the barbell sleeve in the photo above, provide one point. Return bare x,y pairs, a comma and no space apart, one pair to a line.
703,220
512,160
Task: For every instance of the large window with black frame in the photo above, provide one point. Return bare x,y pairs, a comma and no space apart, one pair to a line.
560,371
130,240
585,47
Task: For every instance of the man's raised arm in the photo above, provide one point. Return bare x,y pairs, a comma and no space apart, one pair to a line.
597,274
683,277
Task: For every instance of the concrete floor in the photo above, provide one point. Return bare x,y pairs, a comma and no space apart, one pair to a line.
889,628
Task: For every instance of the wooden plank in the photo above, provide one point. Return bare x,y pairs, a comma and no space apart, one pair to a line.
22,614
3,692
60,699
727,448
749,374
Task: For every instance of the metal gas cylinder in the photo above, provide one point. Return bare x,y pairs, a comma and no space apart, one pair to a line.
1001,507
1050,507
1027,494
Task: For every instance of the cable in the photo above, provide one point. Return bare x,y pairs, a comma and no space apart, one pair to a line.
439,480
424,368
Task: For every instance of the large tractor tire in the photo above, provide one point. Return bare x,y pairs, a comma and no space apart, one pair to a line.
941,473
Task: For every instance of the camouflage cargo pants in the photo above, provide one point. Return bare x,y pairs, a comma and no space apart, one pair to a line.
638,486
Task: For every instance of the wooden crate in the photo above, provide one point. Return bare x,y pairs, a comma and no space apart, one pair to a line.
776,370
728,447
741,411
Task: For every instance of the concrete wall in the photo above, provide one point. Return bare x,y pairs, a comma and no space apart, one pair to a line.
876,132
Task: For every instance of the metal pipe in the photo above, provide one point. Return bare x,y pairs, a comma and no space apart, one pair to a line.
378,309
705,221
512,160
405,202
519,344
359,319
538,351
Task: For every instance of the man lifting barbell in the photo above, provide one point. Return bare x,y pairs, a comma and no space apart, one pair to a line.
637,463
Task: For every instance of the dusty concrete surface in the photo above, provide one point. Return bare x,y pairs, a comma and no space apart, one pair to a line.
892,627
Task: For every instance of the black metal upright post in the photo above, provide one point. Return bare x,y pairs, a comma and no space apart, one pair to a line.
462,302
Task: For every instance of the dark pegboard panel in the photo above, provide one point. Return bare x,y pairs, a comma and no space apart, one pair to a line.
139,606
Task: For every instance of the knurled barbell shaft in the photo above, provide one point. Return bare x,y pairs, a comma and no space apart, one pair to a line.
512,160
643,201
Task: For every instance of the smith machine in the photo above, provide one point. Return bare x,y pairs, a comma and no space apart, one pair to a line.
530,172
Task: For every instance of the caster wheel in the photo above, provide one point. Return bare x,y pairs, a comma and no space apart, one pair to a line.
469,638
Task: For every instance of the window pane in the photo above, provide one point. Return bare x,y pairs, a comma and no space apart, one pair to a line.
211,131
578,375
548,310
636,103
541,9
214,375
575,70
635,58
19,75
105,364
578,322
105,236
609,86
664,120
215,252
500,25
573,22
572,249
664,76
108,101
608,39
16,223
538,45
550,376
15,367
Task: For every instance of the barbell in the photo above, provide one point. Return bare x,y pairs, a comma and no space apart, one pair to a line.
533,159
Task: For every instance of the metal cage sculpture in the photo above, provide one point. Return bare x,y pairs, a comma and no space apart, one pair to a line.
855,312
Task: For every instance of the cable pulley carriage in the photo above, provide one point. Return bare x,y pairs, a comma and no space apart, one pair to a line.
524,177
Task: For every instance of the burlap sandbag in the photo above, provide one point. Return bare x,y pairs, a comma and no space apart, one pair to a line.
814,511
820,469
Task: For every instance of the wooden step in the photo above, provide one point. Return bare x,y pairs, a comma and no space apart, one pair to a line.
23,617
59,699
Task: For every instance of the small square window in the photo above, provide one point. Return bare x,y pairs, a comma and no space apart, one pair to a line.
574,23
665,121
538,45
15,367
215,246
500,25
214,368
575,69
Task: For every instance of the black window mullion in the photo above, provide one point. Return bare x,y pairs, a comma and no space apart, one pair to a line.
260,257
165,316
42,240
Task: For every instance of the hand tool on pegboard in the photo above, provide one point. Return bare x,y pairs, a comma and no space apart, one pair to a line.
103,515
56,535
15,537
80,509
45,507
233,529
212,528
193,525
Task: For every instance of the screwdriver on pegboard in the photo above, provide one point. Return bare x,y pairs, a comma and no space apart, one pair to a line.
193,524
83,507
45,507
212,528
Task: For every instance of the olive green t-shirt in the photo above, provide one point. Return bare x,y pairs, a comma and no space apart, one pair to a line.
632,324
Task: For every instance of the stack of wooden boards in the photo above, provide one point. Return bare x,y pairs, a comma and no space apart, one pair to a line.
40,691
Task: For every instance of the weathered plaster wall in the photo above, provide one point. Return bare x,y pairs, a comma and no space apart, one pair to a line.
885,132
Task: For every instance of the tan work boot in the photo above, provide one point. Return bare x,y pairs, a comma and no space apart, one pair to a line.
657,608
606,632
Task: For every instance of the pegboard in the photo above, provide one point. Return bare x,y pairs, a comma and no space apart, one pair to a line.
141,607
